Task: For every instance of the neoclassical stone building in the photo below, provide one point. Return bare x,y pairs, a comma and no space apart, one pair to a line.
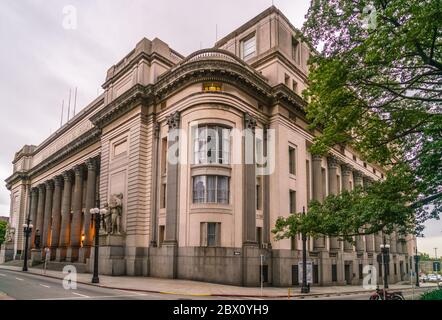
207,217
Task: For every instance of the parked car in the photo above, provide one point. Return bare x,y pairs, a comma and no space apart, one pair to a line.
439,277
424,278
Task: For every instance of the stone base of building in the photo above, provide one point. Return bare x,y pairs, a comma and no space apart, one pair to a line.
72,254
84,254
111,257
6,253
36,257
60,254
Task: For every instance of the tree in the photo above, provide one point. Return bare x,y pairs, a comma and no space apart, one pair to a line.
3,225
378,88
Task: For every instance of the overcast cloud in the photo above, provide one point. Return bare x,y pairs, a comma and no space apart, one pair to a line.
40,60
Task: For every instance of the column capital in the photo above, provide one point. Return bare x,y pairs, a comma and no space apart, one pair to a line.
173,120
34,190
92,164
58,181
346,169
367,180
78,169
358,174
333,162
67,176
49,184
41,187
316,157
249,121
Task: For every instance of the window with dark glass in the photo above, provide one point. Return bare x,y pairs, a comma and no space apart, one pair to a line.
292,160
211,189
292,200
211,145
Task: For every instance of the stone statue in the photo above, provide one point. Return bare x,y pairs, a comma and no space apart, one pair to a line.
9,234
112,220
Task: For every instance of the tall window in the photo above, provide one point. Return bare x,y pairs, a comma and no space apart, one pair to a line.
292,160
211,189
258,194
210,234
292,200
296,50
248,47
211,145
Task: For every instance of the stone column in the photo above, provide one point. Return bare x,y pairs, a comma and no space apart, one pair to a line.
378,242
318,243
346,173
357,178
170,244
333,164
155,185
73,250
56,215
393,243
90,199
90,203
33,214
249,195
47,215
65,217
40,211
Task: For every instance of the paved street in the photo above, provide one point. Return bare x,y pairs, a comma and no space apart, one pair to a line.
25,286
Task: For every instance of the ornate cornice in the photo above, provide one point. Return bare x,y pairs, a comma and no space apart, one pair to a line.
173,120
333,162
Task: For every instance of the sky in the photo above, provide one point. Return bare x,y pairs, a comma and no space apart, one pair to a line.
45,52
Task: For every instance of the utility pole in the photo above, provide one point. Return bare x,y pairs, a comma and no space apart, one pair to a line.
305,287
435,252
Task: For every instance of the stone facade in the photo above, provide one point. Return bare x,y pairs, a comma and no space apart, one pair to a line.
209,216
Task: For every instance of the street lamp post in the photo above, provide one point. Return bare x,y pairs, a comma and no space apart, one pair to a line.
385,249
416,261
96,214
27,230
305,287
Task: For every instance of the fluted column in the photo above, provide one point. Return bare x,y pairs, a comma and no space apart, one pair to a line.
393,243
249,195
333,188
73,249
65,216
90,199
346,173
318,243
377,241
172,194
357,178
56,214
33,213
40,211
47,214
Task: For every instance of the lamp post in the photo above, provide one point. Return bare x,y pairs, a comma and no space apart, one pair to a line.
305,287
96,214
385,249
27,230
416,264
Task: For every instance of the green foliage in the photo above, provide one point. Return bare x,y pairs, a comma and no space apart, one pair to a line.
424,257
383,206
432,295
3,225
380,90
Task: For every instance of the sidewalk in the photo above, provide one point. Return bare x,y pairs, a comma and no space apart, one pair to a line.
196,288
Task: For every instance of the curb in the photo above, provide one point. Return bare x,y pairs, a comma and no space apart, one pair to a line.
210,294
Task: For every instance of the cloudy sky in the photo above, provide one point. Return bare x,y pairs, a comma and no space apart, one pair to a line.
41,60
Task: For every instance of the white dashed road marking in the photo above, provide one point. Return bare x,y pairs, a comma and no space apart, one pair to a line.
19,279
81,295
2,275
43,285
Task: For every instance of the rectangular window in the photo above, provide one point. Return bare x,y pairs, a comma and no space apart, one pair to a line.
292,195
315,274
324,188
295,275
163,196
395,268
249,47
161,236
292,160
258,194
295,86
210,234
334,273
296,52
211,189
164,155
259,235
287,80
361,271
264,273
211,145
